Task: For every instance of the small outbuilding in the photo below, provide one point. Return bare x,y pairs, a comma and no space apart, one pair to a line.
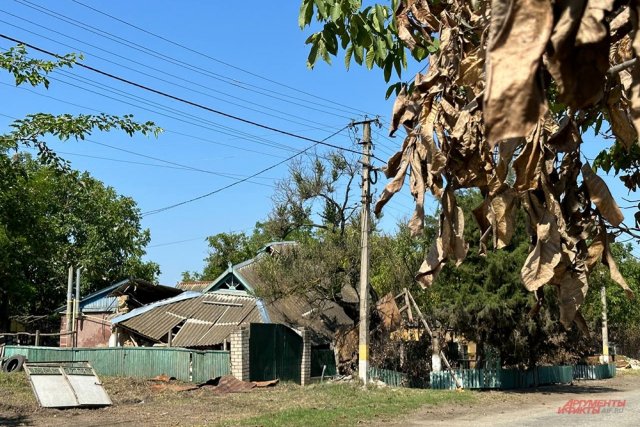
93,323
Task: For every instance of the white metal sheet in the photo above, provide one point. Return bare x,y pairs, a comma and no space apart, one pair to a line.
89,390
66,384
53,391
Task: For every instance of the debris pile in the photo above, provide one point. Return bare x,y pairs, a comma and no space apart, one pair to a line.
482,108
219,385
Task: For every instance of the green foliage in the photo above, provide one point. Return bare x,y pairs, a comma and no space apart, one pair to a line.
50,220
52,217
30,132
32,71
225,248
368,36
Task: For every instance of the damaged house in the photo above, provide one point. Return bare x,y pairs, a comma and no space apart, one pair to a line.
205,320
96,310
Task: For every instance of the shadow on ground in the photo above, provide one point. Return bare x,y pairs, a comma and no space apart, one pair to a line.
14,420
565,389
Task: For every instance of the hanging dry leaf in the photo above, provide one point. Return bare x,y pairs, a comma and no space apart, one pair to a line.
518,35
572,288
502,216
395,184
601,196
538,269
607,259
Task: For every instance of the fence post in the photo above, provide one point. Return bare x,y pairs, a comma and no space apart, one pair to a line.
305,368
37,337
240,354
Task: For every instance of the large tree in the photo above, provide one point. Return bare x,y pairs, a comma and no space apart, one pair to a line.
506,84
52,217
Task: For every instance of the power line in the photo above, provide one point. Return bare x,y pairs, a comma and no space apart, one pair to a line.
165,115
175,205
169,164
185,101
156,54
217,60
221,174
251,103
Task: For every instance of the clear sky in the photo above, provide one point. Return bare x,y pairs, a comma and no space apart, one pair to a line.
247,60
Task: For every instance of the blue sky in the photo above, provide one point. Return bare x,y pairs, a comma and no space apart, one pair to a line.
248,61
261,38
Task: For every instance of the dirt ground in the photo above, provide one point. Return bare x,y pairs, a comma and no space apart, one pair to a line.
494,407
142,402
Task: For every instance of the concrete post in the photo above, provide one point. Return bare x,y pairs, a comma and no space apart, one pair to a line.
240,354
305,368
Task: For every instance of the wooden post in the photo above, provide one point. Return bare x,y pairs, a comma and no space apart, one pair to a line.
37,337
169,338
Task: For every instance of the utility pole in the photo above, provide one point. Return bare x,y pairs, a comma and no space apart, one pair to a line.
605,329
363,349
69,299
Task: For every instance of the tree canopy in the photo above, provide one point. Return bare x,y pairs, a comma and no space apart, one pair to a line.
52,217
506,86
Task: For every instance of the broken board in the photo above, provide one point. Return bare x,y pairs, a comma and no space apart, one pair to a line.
66,384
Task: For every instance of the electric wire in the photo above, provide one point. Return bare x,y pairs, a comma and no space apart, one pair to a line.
185,135
250,106
151,52
218,190
185,101
217,60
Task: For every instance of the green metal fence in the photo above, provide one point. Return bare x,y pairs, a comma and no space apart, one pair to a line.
594,372
506,379
323,359
275,351
391,378
141,362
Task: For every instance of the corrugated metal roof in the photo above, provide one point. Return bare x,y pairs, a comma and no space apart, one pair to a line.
204,320
144,309
196,286
323,317
104,300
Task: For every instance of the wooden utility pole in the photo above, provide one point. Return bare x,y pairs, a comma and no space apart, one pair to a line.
605,329
363,349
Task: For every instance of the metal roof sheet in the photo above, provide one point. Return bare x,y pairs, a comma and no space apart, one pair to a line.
204,321
196,286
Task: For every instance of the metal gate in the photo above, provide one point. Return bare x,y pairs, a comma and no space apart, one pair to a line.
275,351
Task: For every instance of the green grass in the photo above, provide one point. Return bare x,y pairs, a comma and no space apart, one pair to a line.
345,404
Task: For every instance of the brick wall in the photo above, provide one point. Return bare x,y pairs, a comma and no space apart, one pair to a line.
240,354
305,369
94,330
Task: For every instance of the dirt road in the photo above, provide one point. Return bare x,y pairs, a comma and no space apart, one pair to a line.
541,407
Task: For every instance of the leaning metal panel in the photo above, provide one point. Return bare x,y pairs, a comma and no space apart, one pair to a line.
66,384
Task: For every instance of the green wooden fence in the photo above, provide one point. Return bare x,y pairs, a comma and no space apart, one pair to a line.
141,362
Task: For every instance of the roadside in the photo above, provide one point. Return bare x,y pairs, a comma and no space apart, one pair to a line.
535,407
146,402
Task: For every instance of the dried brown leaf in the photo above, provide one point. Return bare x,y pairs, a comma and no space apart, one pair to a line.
538,268
616,276
601,196
578,54
395,184
405,111
514,98
502,215
528,163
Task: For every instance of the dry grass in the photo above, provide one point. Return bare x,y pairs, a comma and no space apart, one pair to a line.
137,402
